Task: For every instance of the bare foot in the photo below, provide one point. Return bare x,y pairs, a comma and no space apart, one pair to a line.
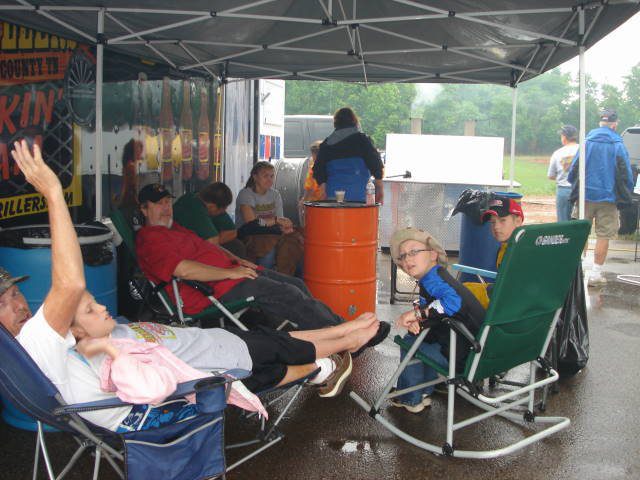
364,320
362,335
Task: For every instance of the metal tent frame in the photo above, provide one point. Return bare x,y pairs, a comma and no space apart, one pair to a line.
500,42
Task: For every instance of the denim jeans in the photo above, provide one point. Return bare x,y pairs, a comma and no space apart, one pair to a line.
563,205
419,372
267,261
283,297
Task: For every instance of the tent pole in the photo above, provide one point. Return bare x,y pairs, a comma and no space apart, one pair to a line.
514,110
581,74
98,152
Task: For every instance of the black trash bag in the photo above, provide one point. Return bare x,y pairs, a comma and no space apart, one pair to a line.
572,331
628,218
473,204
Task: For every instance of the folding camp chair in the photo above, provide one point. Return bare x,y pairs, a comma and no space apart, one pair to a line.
527,298
268,432
231,310
187,450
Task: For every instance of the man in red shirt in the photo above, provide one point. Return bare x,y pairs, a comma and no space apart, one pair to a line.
165,250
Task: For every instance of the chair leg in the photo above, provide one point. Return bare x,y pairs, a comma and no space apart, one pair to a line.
96,465
73,460
36,459
45,454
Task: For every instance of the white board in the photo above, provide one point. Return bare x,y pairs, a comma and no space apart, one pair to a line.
445,158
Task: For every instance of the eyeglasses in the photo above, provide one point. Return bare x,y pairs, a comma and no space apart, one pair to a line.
411,253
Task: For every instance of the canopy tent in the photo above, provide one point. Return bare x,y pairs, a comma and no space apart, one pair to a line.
491,41
348,40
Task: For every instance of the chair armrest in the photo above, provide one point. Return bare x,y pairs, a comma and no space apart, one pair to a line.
460,328
473,270
202,287
184,388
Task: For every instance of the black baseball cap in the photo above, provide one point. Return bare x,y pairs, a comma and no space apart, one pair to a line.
501,206
608,115
569,131
154,192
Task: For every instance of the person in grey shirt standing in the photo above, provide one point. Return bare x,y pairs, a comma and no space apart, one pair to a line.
559,170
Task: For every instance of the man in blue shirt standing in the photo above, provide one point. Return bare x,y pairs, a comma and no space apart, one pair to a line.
608,183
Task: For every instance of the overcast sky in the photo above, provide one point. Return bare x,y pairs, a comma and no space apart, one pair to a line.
609,60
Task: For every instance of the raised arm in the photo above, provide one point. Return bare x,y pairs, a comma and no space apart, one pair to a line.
67,274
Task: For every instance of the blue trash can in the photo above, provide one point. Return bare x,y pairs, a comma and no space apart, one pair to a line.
478,248
26,250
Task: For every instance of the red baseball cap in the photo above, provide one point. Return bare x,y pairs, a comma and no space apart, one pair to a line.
501,206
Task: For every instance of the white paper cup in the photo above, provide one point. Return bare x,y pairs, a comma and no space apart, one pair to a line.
340,196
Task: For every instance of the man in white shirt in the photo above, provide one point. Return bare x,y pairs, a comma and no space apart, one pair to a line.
46,336
559,170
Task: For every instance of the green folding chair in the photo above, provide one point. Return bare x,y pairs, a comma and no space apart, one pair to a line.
217,310
530,288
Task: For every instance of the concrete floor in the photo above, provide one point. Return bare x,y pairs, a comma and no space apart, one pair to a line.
334,439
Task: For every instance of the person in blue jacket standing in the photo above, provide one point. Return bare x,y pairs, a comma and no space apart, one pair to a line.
347,159
608,184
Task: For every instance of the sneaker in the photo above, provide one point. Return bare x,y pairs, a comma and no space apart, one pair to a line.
334,383
426,400
417,408
441,388
596,279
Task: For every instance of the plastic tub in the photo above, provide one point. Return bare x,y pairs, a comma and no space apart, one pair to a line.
26,250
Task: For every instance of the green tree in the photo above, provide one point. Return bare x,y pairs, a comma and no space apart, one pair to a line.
381,108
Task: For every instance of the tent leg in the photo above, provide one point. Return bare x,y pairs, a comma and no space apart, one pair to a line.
98,151
583,126
514,112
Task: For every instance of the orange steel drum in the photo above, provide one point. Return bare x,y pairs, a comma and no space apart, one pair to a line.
340,246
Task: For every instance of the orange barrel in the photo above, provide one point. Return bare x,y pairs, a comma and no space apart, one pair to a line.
340,245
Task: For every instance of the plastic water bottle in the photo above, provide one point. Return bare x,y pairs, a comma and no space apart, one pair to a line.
370,191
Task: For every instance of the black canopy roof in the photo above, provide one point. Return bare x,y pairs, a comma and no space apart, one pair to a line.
476,41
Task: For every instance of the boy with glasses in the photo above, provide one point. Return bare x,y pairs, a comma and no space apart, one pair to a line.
419,255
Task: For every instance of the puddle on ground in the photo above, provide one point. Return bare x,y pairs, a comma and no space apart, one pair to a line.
614,294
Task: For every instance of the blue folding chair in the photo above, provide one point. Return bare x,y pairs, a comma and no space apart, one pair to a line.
187,450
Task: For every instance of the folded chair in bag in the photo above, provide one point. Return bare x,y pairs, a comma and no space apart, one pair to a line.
186,450
218,310
527,298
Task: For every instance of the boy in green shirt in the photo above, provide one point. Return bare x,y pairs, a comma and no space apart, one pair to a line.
205,213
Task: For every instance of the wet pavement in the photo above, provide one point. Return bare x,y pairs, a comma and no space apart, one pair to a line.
335,439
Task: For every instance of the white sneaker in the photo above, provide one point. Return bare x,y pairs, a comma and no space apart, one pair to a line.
596,279
417,408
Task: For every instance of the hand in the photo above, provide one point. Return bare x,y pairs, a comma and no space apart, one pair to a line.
408,320
285,223
89,347
380,196
36,172
247,263
242,272
286,230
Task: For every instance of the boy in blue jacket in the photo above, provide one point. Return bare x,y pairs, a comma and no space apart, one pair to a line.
419,255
